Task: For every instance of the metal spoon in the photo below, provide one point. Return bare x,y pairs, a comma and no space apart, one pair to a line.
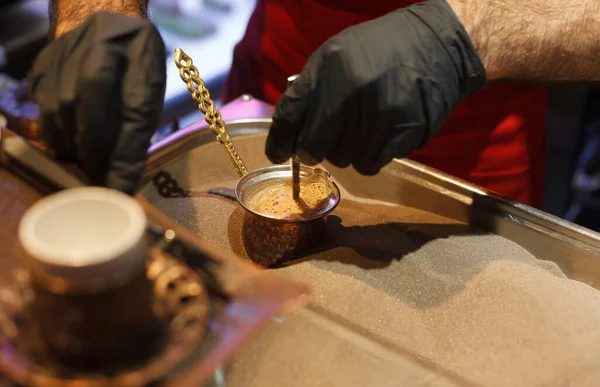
294,161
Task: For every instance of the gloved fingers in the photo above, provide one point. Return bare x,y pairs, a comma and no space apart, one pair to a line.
383,120
349,139
362,129
128,161
306,158
77,82
43,84
318,134
288,119
331,105
142,97
97,114
403,140
53,138
71,83
341,153
41,66
400,131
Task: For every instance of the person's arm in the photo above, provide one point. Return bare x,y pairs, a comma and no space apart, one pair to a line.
545,40
100,87
66,15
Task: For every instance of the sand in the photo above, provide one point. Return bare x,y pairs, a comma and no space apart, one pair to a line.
405,297
473,305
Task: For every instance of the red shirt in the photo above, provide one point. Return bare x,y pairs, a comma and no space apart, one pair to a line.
494,138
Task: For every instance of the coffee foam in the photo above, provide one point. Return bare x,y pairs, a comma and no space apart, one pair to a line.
275,199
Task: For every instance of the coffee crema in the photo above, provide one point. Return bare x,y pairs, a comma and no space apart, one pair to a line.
275,199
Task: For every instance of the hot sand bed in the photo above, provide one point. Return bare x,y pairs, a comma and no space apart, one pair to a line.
405,297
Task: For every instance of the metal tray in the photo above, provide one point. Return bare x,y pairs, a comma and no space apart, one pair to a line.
239,298
356,331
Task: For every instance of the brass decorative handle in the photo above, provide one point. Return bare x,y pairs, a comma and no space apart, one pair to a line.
195,85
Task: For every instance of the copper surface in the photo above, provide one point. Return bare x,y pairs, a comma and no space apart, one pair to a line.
271,237
271,243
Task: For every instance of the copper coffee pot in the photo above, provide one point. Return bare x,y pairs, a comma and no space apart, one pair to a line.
268,240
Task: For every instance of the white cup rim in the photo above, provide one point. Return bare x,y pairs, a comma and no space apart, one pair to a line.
118,247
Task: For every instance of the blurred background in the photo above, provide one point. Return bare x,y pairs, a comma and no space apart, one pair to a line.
209,29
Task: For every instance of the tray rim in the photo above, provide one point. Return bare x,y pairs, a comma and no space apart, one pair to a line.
551,226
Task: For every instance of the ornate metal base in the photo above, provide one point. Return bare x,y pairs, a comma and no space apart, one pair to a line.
181,299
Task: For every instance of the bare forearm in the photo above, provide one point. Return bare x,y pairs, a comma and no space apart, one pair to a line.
68,14
548,40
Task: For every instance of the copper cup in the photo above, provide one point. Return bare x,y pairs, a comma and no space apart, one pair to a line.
92,303
270,241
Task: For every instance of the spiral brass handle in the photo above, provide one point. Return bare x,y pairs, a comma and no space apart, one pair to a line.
195,85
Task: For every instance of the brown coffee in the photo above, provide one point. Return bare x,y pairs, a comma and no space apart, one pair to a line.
275,199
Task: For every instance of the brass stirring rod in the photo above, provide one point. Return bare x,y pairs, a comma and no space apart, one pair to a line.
294,162
195,85
295,179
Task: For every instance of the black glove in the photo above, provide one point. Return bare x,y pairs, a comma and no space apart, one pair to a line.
100,91
378,90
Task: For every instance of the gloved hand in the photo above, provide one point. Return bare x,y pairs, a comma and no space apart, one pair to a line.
378,90
100,91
